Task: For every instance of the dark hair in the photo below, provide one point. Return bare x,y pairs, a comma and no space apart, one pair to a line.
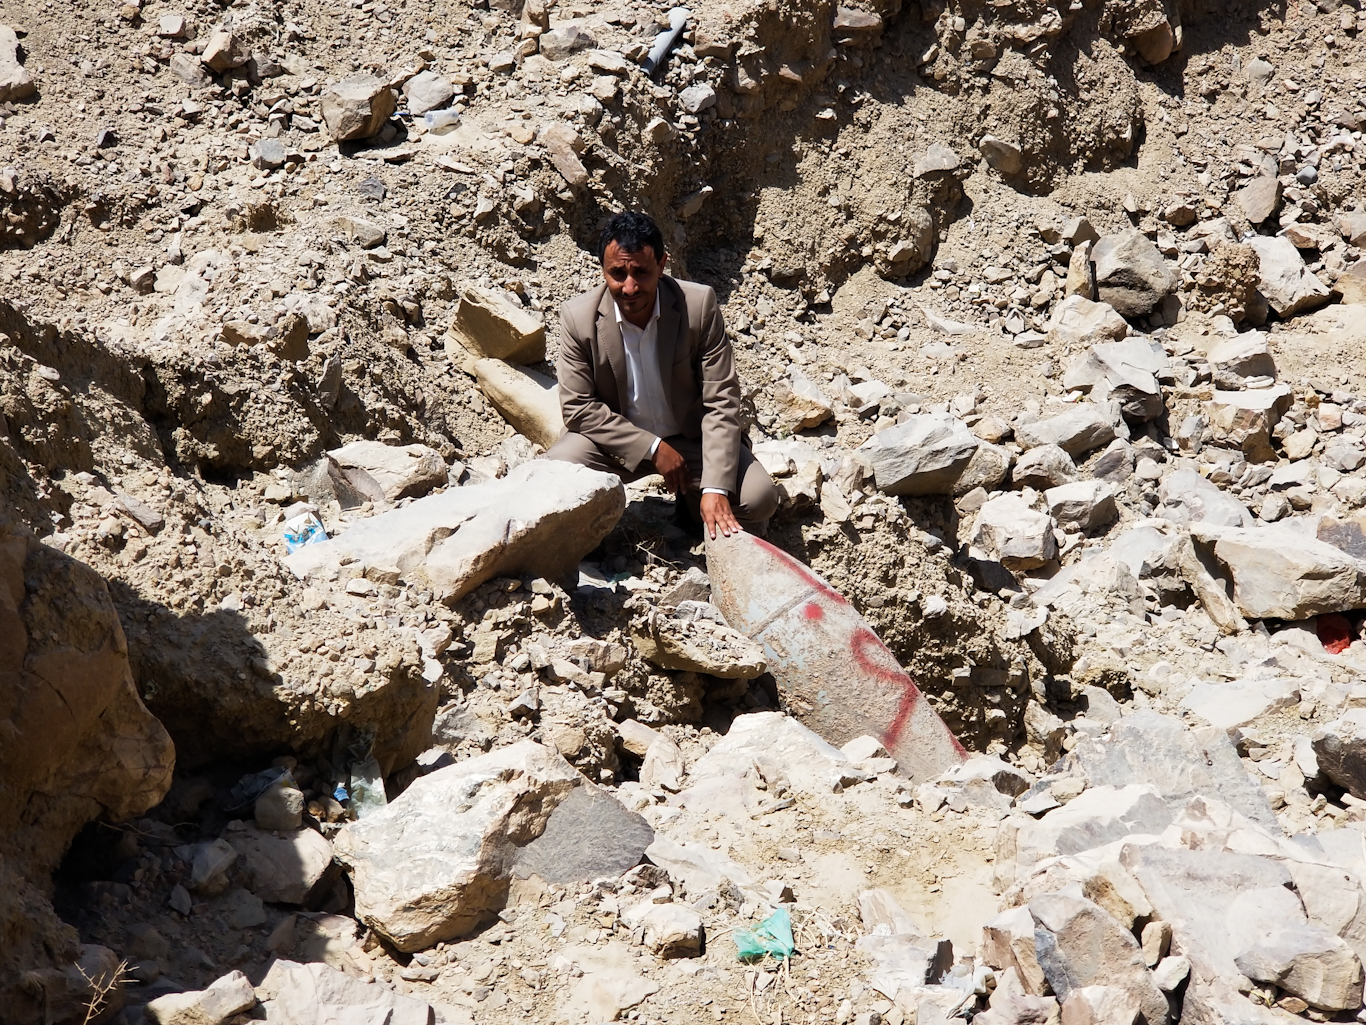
632,231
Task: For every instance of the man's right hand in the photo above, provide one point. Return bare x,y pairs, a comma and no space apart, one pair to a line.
672,467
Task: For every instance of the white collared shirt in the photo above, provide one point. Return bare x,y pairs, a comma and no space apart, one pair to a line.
646,402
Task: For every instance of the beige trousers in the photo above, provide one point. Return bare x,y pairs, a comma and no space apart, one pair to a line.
754,500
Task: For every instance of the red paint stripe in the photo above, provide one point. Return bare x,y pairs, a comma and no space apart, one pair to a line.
864,645
802,571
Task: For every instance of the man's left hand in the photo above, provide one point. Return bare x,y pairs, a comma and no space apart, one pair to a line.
716,515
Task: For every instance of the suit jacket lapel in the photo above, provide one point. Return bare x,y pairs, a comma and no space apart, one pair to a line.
670,323
609,340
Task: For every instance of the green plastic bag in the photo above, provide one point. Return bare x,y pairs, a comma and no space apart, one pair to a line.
772,937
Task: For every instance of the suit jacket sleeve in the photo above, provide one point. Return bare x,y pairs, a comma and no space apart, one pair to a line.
587,414
720,402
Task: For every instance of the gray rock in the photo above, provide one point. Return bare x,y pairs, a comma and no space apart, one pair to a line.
1239,702
436,861
1077,320
1008,946
542,518
1146,747
1081,428
1235,359
280,806
225,50
1245,419
1259,198
1258,72
356,107
1131,274
1125,372
1280,572
781,744
590,835
1101,1005
1115,464
1014,534
428,91
1307,961
674,639
317,994
1340,747
1004,156
283,867
697,97
937,159
1079,945
401,471
1082,505
16,83
925,455
1186,497
1218,902
667,930
365,233
564,40
988,467
1043,467
1287,283
224,998
564,145
488,323
269,154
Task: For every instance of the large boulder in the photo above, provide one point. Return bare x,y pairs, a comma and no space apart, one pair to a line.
528,400
1125,371
401,471
1289,286
489,324
285,866
78,745
1245,419
1186,497
437,861
1079,945
316,994
1340,747
1131,274
1014,534
1280,572
1077,430
925,455
1077,319
15,81
357,107
542,518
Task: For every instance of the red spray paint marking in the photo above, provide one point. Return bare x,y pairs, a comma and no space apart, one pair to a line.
803,572
864,646
813,611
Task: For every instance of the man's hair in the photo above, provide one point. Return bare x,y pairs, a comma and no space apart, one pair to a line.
632,231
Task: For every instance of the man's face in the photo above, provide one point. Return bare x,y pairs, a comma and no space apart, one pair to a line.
633,280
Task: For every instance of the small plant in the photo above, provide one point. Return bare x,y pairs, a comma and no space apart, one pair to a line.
100,988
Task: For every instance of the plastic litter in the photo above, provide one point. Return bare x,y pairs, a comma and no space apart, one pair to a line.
439,122
340,795
367,787
770,938
667,40
304,529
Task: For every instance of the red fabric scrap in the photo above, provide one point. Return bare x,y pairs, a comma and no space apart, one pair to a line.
1335,633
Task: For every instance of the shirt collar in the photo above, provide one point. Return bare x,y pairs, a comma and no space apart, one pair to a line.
653,317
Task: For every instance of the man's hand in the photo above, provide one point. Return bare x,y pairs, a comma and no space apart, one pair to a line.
716,515
670,465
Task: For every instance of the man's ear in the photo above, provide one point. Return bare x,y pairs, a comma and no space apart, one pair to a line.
663,260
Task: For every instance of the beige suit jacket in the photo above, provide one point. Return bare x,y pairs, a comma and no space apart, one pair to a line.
700,380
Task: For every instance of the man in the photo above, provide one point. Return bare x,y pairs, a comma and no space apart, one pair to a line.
648,385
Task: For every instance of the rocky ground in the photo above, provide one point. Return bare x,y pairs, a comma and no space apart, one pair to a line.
1048,319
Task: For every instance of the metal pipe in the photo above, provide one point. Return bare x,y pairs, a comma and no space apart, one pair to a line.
666,40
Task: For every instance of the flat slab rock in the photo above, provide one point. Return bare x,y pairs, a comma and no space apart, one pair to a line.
542,518
316,994
435,862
